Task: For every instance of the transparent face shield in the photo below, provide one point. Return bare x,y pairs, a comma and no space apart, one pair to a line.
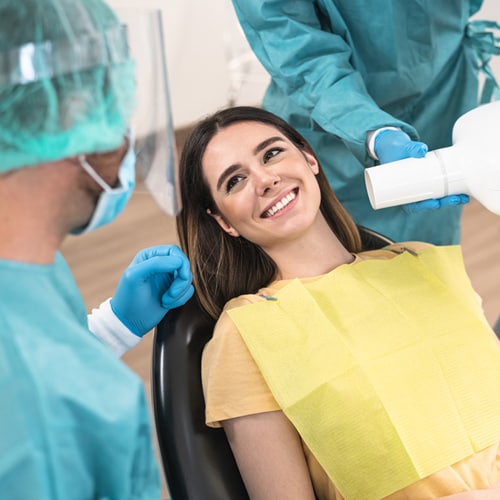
152,121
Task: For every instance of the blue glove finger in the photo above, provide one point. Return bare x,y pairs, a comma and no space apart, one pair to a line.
421,206
392,145
162,276
177,288
166,284
185,269
454,199
433,203
416,149
157,251
160,266
182,298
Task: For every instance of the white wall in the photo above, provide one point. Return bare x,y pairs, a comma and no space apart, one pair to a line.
198,74
196,54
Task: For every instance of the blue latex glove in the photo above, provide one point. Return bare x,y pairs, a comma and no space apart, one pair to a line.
157,279
392,145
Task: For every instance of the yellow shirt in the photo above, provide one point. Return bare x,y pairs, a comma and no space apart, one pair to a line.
235,387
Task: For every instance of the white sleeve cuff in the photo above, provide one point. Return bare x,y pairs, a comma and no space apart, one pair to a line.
104,324
370,140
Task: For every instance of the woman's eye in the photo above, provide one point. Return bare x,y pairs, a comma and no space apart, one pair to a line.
232,182
271,153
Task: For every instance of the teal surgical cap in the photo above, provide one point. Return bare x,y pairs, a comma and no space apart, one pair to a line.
67,82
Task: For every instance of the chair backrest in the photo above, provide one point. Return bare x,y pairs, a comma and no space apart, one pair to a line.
197,460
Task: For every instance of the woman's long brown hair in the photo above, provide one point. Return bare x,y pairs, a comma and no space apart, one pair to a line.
225,267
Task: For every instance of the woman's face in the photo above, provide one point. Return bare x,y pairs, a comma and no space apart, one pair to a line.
263,186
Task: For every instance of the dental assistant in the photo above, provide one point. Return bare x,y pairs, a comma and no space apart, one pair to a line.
75,419
376,82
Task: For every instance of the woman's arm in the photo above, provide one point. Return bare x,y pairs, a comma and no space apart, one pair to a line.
270,456
488,494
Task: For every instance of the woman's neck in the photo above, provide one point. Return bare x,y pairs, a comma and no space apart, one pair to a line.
314,255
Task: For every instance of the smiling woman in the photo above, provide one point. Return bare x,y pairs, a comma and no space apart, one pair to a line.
217,183
322,352
253,193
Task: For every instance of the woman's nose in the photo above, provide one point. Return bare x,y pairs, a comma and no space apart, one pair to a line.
266,180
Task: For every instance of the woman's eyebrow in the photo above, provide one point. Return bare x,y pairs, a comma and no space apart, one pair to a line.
232,168
229,170
267,142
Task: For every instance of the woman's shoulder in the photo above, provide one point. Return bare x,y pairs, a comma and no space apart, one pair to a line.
225,326
242,300
265,293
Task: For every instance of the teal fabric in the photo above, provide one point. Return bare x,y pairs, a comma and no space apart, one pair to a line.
74,419
340,68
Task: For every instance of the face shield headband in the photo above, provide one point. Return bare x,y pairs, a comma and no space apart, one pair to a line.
33,62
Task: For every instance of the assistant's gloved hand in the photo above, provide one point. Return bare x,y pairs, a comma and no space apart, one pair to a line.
392,145
157,279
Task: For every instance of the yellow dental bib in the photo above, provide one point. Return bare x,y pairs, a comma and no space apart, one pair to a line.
387,368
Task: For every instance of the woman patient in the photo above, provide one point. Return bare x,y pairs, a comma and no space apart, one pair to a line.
335,373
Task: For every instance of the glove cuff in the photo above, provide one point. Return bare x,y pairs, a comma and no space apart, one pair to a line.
106,326
370,140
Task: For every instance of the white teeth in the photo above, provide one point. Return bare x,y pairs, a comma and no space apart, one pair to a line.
281,204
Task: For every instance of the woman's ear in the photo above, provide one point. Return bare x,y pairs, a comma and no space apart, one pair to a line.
311,159
227,228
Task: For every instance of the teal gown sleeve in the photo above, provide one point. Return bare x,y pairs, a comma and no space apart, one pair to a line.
312,66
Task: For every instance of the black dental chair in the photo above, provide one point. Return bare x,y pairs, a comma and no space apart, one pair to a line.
197,460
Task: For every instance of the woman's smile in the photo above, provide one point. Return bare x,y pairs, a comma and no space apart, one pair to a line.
278,207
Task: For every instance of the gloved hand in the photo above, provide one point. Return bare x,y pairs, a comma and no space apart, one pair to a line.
392,145
157,279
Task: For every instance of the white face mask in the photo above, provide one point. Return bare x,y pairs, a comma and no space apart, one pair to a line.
111,201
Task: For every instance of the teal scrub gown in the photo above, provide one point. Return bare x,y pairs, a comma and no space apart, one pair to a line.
341,68
74,419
